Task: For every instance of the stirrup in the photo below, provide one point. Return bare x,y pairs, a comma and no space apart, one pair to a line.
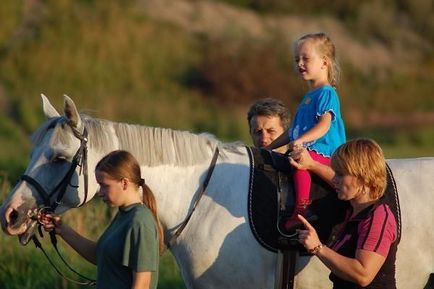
297,224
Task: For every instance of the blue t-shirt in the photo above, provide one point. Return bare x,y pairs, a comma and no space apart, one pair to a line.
314,104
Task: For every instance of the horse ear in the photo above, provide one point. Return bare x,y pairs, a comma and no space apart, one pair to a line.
49,110
71,112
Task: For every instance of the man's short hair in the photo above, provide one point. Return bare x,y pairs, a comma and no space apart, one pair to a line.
269,107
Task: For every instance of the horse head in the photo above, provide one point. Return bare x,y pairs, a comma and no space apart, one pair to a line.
52,177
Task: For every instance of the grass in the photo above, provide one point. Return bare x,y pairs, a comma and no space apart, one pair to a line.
22,267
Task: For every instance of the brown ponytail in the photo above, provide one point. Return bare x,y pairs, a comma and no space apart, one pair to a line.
149,201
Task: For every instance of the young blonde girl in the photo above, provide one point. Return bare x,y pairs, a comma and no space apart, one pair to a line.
318,123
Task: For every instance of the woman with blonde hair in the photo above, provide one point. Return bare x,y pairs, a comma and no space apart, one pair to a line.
362,254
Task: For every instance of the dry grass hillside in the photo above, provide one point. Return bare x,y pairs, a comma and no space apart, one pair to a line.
218,20
369,58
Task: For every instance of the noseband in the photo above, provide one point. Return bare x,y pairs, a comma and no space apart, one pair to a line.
79,160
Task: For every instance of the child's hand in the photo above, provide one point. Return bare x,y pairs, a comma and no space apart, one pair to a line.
301,159
297,144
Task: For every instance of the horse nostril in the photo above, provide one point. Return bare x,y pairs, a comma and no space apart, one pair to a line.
11,216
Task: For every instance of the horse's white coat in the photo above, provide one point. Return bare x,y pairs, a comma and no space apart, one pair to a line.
217,248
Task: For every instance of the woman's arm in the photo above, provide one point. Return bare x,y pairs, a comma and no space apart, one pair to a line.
83,246
360,270
302,160
141,280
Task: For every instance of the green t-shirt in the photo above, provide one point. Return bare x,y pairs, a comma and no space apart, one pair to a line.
130,243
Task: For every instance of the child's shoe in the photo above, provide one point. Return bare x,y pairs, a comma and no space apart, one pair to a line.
301,208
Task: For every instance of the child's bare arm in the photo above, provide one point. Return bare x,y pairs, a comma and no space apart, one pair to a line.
315,132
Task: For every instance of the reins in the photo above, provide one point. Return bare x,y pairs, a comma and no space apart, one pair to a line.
196,201
79,160
88,282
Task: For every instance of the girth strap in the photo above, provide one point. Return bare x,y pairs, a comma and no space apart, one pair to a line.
286,269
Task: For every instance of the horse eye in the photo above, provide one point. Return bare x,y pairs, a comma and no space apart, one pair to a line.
58,159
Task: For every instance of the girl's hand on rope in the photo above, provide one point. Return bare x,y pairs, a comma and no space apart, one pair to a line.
51,222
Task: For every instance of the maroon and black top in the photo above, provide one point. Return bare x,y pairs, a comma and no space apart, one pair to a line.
373,229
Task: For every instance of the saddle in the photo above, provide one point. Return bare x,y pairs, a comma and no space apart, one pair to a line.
271,198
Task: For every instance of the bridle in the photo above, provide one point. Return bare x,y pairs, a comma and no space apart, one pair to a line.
79,160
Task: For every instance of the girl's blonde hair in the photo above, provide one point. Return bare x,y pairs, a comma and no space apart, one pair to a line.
363,159
121,164
325,48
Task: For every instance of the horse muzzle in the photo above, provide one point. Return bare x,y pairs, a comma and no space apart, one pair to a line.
18,222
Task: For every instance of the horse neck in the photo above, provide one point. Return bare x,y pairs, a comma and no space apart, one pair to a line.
172,162
151,146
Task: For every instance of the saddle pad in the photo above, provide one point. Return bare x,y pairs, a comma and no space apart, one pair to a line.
263,199
391,198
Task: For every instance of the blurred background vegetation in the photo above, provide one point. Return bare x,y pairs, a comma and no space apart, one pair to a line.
198,65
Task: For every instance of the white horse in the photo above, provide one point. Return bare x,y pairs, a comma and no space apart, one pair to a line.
217,248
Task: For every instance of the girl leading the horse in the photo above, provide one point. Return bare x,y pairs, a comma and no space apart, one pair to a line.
127,253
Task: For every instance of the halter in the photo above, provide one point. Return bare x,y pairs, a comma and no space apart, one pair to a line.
79,160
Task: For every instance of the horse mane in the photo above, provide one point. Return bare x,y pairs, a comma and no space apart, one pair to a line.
152,146
157,146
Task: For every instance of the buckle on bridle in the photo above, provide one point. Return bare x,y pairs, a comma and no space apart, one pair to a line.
40,214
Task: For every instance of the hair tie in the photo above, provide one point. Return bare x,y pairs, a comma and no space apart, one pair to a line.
142,182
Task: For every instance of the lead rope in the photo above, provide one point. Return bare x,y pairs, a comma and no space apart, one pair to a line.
89,282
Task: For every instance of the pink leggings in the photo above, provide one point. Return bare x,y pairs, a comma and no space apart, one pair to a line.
302,179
